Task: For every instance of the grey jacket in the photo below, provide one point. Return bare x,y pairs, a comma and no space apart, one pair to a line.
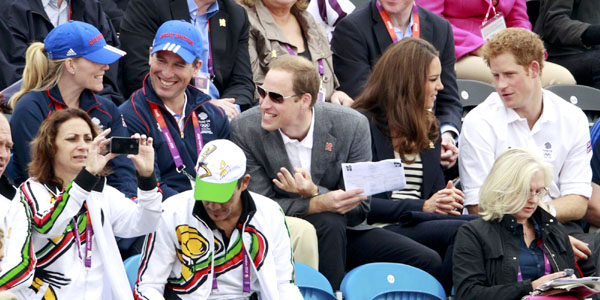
341,135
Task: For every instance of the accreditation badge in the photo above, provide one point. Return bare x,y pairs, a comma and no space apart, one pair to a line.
322,93
491,27
202,81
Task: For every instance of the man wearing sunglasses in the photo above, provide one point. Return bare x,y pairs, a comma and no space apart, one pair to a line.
295,148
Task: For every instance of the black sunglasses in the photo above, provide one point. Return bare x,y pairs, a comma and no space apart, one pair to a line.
275,97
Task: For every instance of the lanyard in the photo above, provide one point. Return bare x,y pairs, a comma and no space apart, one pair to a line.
89,232
171,142
245,270
58,106
416,28
319,61
211,71
490,8
547,268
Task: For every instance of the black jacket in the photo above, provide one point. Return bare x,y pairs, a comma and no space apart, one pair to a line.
387,210
26,22
228,38
361,38
486,257
561,24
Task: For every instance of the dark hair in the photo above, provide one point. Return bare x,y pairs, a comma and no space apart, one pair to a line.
394,96
43,146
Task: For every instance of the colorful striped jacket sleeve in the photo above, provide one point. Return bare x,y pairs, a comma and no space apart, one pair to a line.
52,222
19,260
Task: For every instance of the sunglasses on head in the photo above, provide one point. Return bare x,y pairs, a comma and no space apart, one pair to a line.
275,97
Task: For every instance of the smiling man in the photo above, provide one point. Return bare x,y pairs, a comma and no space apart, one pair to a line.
219,241
521,114
178,116
295,148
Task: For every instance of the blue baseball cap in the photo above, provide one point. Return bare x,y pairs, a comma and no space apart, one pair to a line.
179,37
79,39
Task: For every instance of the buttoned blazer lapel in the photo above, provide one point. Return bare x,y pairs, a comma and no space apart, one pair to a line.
219,35
324,146
382,36
425,24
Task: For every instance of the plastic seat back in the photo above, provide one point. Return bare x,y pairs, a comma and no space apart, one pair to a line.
132,265
390,281
312,284
472,92
585,97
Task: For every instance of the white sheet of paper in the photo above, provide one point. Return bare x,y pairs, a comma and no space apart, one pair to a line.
374,177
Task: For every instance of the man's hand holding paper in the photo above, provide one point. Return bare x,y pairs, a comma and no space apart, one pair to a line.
374,177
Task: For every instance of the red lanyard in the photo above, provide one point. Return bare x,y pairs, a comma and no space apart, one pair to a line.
487,15
416,28
171,142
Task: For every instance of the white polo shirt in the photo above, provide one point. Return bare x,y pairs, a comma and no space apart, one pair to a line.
300,152
561,136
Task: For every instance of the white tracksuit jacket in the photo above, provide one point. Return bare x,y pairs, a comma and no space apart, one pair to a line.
179,260
59,271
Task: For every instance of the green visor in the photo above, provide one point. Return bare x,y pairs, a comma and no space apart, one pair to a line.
214,192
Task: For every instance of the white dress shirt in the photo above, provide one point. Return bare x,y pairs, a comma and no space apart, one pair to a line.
299,152
57,15
561,136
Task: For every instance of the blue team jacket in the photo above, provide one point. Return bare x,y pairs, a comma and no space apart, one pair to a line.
212,120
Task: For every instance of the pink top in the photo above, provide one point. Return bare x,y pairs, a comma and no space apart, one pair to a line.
466,16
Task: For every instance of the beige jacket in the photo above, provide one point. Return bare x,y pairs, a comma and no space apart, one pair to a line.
267,42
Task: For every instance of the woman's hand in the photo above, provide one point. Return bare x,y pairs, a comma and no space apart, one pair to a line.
96,160
144,160
339,97
447,201
547,278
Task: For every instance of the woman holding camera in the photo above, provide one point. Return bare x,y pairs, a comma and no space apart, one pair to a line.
516,245
68,165
66,71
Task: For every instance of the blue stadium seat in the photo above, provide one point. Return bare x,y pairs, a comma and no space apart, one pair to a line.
391,281
312,284
132,265
595,133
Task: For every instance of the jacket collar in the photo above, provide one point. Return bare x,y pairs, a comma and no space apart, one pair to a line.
248,211
87,100
195,97
540,217
7,189
77,9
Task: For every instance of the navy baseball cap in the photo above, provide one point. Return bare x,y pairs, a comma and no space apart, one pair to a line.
179,37
79,39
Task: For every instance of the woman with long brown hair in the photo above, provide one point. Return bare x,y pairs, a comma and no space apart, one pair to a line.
398,100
